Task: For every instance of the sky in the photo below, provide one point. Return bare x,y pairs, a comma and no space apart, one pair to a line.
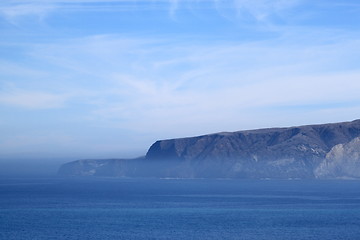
100,79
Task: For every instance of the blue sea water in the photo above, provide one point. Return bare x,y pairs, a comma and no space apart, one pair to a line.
58,208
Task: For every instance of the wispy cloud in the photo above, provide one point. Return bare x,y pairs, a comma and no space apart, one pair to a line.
260,10
137,84
141,74
174,4
13,12
32,99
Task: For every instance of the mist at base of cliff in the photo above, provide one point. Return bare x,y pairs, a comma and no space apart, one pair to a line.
30,167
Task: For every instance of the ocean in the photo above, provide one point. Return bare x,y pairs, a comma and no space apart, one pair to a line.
106,208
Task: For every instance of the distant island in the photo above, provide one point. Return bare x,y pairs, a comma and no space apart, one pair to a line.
324,151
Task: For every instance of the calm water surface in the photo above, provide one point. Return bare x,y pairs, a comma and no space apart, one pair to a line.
178,209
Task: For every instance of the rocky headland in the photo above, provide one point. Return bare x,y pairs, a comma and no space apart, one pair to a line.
303,152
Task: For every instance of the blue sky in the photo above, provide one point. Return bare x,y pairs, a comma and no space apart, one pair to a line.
87,78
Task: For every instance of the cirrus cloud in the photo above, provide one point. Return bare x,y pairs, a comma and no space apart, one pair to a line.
32,99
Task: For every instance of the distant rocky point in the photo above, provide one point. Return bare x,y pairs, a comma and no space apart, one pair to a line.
327,151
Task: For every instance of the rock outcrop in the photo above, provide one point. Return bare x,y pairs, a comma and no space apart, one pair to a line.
343,161
294,152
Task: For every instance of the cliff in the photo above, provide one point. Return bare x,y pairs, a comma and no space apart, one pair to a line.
343,161
294,152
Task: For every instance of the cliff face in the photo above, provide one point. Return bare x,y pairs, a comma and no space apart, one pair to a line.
295,152
343,161
266,153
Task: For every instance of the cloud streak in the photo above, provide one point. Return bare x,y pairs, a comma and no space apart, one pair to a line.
32,99
143,69
260,10
13,12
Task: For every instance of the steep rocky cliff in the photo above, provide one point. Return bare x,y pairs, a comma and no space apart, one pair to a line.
294,152
343,161
265,153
